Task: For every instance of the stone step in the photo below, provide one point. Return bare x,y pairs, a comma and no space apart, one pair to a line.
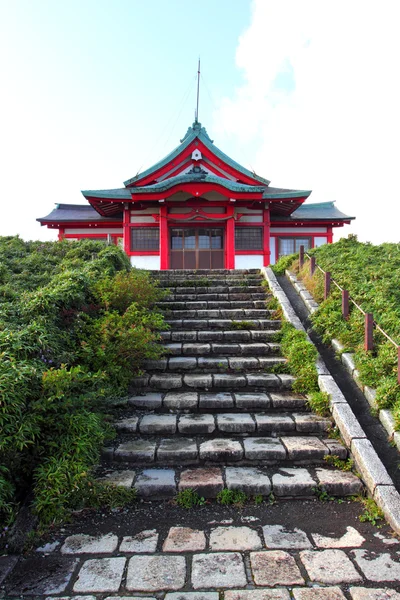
224,324
205,282
209,304
215,382
158,274
224,423
191,401
212,364
214,297
227,335
221,349
197,276
217,289
225,313
266,450
286,482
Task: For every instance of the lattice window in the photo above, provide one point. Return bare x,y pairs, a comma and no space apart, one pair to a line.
290,245
145,238
248,238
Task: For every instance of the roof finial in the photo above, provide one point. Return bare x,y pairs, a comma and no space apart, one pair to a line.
198,93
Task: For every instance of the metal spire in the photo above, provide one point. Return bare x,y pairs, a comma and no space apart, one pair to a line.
198,92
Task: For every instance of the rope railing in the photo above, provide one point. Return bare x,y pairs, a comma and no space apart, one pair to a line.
369,322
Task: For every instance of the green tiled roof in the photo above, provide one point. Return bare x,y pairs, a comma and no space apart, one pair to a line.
118,193
319,210
199,132
162,186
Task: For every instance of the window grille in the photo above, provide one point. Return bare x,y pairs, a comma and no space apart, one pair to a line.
145,238
248,238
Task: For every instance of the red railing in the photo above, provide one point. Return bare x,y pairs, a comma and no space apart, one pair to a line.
369,322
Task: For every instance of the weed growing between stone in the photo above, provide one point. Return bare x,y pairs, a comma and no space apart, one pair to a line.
334,461
372,513
227,497
318,402
241,325
189,498
301,356
322,494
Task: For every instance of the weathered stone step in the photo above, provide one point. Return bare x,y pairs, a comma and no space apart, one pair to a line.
196,450
213,335
204,305
196,276
221,348
224,423
226,313
217,289
215,381
190,401
212,364
286,482
228,324
214,297
201,272
210,281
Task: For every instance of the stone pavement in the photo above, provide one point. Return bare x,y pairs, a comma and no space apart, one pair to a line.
245,557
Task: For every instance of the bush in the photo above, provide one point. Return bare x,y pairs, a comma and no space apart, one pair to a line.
301,356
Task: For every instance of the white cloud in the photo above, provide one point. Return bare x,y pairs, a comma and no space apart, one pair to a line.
336,130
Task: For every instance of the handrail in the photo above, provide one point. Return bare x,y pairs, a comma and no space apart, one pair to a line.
369,320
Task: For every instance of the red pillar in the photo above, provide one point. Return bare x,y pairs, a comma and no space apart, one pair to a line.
126,228
330,235
267,250
230,238
61,233
163,238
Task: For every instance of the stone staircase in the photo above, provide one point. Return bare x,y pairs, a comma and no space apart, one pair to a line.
211,414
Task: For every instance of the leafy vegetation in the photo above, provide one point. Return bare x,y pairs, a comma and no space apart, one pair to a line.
372,513
371,274
318,402
335,461
285,262
189,498
301,356
227,497
75,324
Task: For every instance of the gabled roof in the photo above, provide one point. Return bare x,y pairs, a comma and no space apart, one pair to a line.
196,131
318,211
74,213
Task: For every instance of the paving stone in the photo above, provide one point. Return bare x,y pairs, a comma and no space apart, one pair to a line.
90,544
328,593
173,349
218,570
264,380
166,381
210,336
377,567
136,450
234,538
197,423
351,539
329,566
347,423
264,448
388,498
153,424
236,336
154,573
192,596
7,563
182,363
286,381
250,480
184,539
220,400
336,448
302,448
114,598
252,400
177,450
207,482
229,381
243,363
287,401
220,449
45,549
292,482
119,478
361,593
184,336
257,595
369,464
177,401
129,425
145,541
276,423
214,363
149,401
310,423
198,381
37,576
100,575
196,349
275,567
339,483
156,482
235,423
277,536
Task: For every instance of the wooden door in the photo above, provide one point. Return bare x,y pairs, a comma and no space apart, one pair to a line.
197,248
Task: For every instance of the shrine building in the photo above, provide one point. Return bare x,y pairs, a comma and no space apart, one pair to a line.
199,209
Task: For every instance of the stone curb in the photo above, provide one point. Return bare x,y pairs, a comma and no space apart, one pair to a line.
347,358
370,466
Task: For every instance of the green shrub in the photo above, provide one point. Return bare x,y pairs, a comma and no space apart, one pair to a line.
319,403
227,497
285,262
301,356
189,498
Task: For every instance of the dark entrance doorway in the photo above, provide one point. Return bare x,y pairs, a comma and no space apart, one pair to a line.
197,248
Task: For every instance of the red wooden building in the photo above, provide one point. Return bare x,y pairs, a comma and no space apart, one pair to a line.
199,209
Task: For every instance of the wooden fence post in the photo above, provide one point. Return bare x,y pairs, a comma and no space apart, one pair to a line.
301,257
327,286
345,304
312,265
368,332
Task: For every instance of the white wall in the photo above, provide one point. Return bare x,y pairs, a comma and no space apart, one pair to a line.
248,261
272,257
102,230
152,263
320,241
303,230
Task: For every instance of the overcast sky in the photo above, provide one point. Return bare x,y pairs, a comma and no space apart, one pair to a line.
306,92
